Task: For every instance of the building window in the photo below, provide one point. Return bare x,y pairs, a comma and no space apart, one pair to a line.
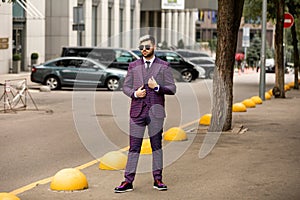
18,11
109,25
252,21
121,24
122,3
131,26
132,4
94,25
214,17
201,16
151,19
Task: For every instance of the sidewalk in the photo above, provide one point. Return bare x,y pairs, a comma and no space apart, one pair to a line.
21,75
262,163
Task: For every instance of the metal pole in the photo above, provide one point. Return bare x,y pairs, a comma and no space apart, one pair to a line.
262,83
245,58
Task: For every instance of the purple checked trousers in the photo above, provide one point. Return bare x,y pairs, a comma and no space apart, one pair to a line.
137,129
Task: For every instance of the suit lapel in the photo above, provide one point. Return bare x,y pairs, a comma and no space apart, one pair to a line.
155,67
140,71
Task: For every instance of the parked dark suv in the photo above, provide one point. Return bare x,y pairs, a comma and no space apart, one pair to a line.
183,70
111,57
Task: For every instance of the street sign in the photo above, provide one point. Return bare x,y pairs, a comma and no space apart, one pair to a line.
78,27
246,37
288,20
4,40
4,43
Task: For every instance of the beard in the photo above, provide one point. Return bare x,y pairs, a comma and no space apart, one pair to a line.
149,54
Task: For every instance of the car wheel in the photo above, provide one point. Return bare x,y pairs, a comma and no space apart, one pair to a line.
113,84
187,76
53,82
210,74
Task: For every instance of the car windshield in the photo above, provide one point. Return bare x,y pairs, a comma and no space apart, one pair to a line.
168,56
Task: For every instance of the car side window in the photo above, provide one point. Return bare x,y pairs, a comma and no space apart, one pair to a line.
59,63
173,58
123,56
84,53
161,56
75,63
52,64
87,64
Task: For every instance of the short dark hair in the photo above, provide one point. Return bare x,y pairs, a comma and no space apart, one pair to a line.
146,38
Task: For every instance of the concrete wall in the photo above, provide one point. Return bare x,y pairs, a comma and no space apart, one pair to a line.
35,33
59,20
6,32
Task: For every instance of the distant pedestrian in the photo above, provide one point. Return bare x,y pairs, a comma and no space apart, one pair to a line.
147,81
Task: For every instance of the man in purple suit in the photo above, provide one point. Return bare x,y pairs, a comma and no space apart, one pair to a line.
147,81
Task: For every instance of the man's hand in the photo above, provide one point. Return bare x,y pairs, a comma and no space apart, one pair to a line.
152,83
140,92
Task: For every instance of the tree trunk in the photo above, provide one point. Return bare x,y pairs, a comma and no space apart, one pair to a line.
229,18
279,66
292,10
296,56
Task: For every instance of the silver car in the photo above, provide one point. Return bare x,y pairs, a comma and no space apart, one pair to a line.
77,71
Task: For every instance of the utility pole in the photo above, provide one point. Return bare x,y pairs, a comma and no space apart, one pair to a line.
262,83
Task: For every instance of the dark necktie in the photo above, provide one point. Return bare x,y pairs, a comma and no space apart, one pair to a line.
148,65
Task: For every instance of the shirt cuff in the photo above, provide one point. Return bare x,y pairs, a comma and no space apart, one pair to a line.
156,89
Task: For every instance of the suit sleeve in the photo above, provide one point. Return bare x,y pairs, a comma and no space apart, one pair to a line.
168,86
128,83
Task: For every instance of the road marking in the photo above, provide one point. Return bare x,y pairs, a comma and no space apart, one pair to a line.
31,185
86,165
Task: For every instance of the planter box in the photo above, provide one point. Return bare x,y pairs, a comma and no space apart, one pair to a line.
33,62
16,66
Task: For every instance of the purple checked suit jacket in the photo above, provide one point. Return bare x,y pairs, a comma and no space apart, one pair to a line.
162,73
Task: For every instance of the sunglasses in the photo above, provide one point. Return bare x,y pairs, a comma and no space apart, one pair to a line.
147,47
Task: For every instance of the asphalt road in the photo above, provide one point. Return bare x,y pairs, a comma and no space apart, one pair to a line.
62,133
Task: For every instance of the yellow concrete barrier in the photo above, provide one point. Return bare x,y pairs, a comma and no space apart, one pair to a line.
8,196
146,146
175,134
249,103
270,92
286,87
114,160
205,120
69,179
267,96
291,84
239,107
257,100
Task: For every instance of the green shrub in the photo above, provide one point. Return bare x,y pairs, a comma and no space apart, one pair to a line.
16,57
34,56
